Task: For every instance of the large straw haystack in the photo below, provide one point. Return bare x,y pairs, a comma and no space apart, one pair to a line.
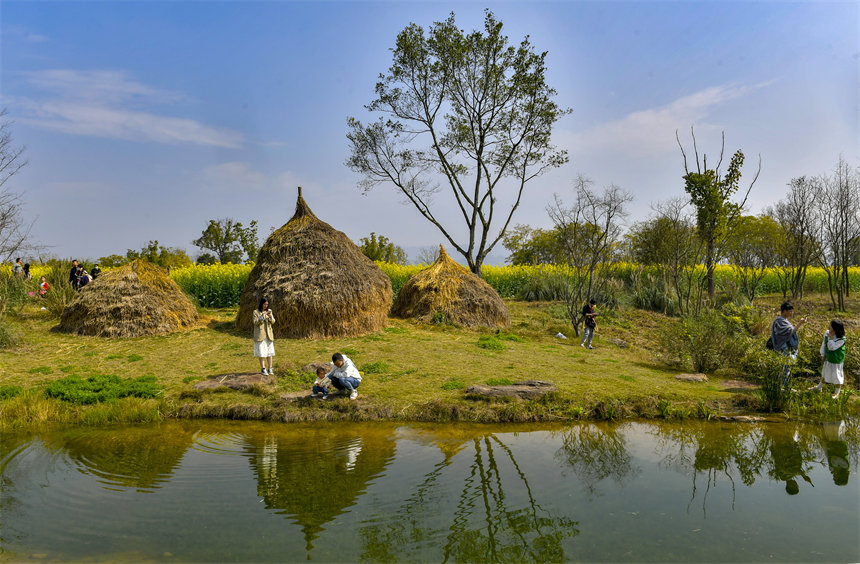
451,291
130,301
318,282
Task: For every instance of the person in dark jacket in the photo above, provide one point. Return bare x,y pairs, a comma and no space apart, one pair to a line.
784,337
73,274
94,273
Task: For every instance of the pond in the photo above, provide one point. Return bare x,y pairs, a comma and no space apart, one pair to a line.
243,491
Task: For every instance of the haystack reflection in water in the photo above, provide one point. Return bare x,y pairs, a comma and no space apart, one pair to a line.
317,475
251,491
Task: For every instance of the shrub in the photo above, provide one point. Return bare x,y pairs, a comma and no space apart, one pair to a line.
101,387
499,382
7,338
374,367
454,383
707,341
490,342
9,392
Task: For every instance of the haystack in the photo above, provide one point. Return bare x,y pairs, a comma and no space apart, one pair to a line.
448,291
318,282
134,300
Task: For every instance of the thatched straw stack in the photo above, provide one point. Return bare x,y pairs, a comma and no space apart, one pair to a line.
451,290
318,282
130,301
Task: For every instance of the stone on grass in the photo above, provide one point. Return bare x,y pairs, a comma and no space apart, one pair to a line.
620,343
235,381
528,389
691,377
312,367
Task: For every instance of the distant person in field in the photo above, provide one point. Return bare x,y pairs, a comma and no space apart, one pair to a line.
96,271
18,269
27,274
589,315
784,339
322,383
344,376
833,357
73,274
264,336
43,286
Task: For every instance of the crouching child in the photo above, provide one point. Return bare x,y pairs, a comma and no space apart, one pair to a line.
322,383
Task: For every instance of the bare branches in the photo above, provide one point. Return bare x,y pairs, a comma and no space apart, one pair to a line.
14,231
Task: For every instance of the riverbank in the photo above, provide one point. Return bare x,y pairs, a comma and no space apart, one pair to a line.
412,372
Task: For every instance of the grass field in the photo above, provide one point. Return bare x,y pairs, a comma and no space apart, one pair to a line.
411,371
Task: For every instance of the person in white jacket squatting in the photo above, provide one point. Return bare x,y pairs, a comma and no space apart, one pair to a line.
345,377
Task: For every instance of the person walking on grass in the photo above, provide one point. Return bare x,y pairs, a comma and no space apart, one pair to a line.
784,339
833,356
344,376
264,336
590,323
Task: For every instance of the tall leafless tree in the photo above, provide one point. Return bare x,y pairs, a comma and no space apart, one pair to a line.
838,213
796,214
14,230
590,230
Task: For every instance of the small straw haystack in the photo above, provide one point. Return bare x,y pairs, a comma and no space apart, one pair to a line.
134,300
318,282
452,291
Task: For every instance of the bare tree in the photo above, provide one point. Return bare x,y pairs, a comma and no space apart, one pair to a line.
796,215
838,218
590,231
464,110
14,231
427,255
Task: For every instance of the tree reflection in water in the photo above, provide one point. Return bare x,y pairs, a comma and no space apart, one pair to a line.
595,454
315,475
488,524
781,452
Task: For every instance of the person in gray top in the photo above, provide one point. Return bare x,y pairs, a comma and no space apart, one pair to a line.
784,337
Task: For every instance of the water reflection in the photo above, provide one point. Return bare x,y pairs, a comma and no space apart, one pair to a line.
495,514
142,457
317,474
596,453
784,453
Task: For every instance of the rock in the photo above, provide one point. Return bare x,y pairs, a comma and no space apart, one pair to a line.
620,343
235,381
528,389
312,367
691,377
742,418
561,335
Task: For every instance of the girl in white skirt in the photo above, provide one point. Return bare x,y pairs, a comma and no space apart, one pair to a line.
264,336
833,356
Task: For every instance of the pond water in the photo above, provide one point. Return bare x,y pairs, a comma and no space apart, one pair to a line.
241,491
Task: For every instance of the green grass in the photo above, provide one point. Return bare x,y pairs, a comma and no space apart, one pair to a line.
417,372
490,343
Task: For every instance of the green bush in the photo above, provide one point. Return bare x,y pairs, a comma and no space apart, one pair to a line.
454,383
101,387
9,392
499,382
490,342
374,367
706,342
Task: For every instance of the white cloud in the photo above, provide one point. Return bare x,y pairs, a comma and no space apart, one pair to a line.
109,104
234,176
651,132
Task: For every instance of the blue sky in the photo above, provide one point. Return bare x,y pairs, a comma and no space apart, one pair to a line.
143,120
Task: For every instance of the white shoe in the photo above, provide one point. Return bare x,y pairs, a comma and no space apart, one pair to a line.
353,395
589,347
263,372
582,345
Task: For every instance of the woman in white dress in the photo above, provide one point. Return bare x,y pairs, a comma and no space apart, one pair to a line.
833,356
264,336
